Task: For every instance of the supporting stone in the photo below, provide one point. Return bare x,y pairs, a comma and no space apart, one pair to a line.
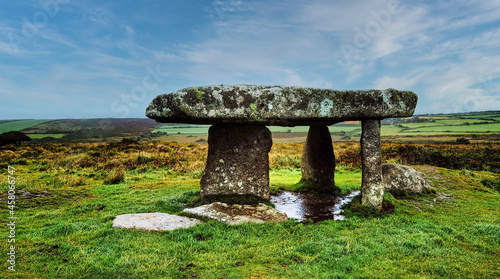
318,161
372,188
237,162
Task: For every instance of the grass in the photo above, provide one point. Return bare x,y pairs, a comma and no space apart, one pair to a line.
183,129
480,128
66,231
18,125
288,179
203,129
445,122
441,127
41,136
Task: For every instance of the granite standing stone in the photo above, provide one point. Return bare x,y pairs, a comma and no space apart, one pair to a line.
238,161
372,188
318,161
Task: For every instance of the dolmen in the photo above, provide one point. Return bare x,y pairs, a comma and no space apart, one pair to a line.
239,141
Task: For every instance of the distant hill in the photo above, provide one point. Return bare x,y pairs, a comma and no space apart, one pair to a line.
473,126
18,125
134,126
81,129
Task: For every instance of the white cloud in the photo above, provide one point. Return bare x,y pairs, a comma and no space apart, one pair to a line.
438,49
461,86
405,82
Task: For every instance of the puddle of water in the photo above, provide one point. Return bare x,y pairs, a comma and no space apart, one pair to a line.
303,206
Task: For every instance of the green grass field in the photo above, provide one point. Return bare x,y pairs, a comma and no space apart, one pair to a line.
203,129
41,136
444,122
18,125
444,127
481,128
67,202
183,128
68,235
442,130
68,195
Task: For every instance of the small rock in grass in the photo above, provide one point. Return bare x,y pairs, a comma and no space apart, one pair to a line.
400,179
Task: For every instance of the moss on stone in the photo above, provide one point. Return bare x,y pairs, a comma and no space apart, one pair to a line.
313,187
355,208
230,199
199,93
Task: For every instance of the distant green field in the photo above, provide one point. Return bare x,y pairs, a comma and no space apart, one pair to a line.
298,129
203,129
40,136
473,115
343,128
444,122
18,125
440,127
493,127
389,130
183,129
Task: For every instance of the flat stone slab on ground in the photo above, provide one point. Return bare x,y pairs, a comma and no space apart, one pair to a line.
278,105
235,214
153,221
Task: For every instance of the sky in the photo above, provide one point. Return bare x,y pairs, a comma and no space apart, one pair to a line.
100,59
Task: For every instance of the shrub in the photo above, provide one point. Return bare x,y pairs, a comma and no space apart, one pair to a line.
289,162
115,177
13,137
76,181
492,184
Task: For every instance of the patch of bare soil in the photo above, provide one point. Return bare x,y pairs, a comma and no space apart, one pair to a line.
27,194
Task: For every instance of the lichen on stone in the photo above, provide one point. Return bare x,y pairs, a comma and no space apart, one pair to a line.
278,105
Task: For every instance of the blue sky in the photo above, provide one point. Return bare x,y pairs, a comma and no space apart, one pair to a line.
93,59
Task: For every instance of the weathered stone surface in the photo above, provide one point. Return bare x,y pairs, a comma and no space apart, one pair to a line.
372,188
278,105
153,221
399,178
318,161
235,214
238,161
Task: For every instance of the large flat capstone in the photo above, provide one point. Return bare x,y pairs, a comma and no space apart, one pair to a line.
278,105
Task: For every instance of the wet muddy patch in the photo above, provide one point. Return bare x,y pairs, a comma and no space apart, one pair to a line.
303,206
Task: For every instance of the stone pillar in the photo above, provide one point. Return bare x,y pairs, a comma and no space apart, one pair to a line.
238,161
318,162
372,188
